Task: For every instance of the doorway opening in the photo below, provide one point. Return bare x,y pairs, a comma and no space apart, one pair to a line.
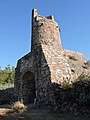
28,87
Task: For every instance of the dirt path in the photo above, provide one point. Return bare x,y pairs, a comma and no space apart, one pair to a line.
39,114
2,111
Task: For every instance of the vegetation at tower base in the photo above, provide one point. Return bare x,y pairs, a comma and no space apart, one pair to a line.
7,75
17,106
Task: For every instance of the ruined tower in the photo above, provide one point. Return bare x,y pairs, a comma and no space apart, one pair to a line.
45,31
47,63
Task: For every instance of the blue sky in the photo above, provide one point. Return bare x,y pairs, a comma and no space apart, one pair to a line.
73,17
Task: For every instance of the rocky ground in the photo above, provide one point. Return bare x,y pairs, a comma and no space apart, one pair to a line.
33,113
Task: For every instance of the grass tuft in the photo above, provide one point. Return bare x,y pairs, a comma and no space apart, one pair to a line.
18,107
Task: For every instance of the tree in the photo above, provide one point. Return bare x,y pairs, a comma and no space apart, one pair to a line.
7,75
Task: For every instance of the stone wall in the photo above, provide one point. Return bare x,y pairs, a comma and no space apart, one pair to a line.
24,65
75,98
7,96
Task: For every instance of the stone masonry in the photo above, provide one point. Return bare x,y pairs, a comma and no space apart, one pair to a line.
47,63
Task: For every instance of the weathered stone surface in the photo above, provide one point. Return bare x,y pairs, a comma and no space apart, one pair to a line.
75,99
7,96
40,73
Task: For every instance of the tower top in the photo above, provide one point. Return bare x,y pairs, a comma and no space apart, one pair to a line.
34,13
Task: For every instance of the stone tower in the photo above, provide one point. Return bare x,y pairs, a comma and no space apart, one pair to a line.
47,63
45,31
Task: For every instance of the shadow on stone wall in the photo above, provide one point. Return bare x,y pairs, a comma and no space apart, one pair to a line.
75,98
7,96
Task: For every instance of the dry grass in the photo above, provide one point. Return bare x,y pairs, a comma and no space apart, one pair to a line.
18,107
3,111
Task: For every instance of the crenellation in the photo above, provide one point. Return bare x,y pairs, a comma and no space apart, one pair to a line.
34,13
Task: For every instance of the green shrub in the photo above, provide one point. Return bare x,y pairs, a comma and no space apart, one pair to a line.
83,77
66,83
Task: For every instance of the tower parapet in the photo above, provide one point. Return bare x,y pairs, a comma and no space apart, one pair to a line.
45,31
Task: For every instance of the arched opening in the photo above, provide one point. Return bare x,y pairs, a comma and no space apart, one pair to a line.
28,87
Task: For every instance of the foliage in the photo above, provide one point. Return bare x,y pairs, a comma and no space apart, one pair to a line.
66,83
83,77
7,75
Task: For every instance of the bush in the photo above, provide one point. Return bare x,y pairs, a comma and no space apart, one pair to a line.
83,77
66,83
